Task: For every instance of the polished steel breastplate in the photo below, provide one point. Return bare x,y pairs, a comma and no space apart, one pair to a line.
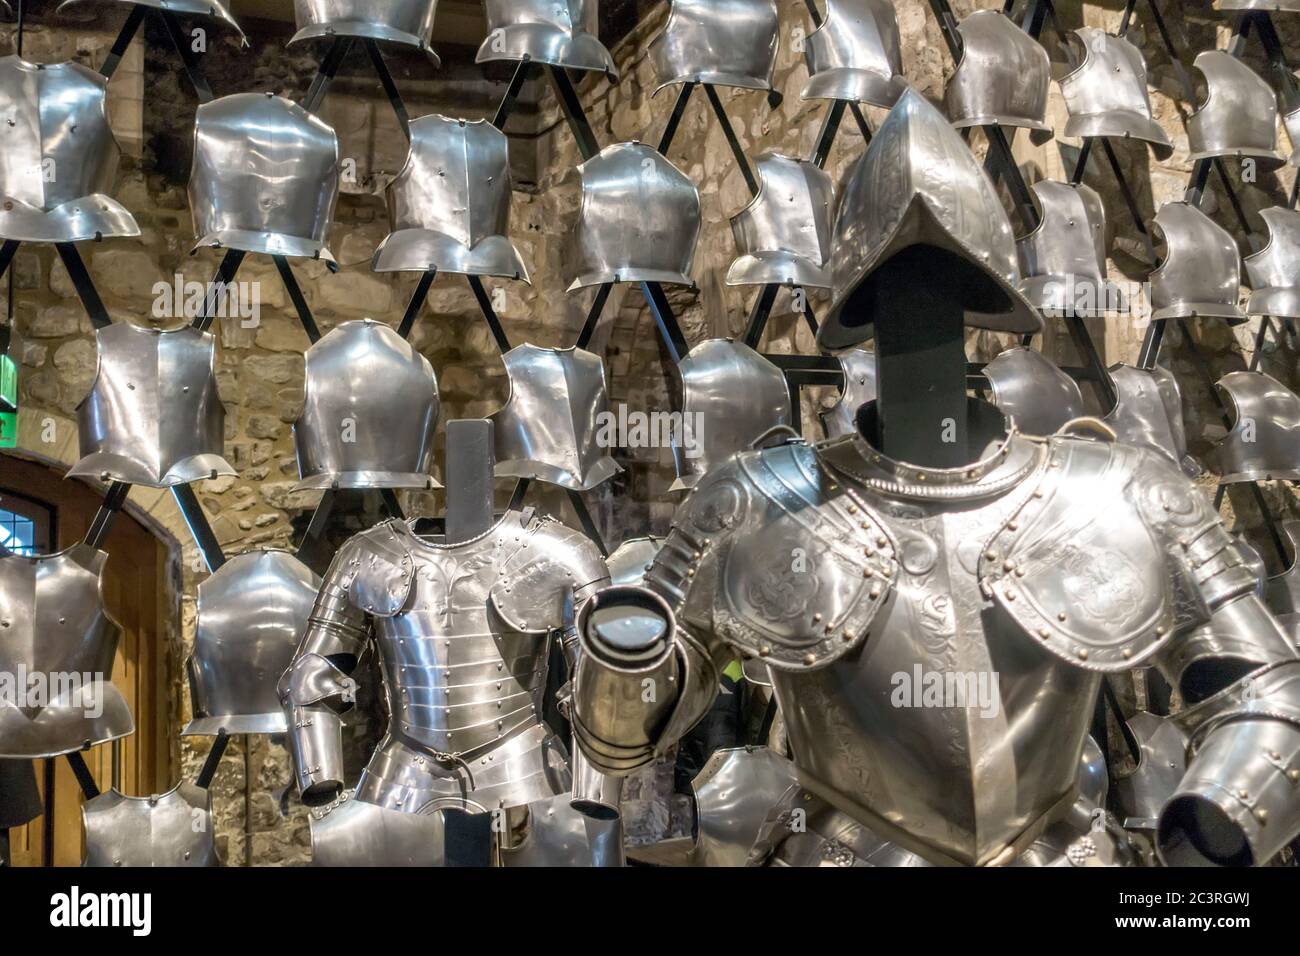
173,829
57,644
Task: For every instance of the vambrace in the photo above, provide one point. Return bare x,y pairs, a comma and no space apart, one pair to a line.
1239,802
316,690
640,683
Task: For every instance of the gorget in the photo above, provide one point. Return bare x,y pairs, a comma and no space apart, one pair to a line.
57,645
556,426
58,157
1264,440
173,829
152,417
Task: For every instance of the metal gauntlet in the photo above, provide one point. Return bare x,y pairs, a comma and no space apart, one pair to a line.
1239,803
626,684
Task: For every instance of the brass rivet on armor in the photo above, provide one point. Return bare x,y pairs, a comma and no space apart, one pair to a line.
1275,755
830,628
1082,652
690,572
694,554
1261,815
817,617
1244,794
853,509
1008,565
847,637
875,591
867,573
1013,525
1044,633
1161,630
1126,653
881,541
810,659
1010,594
1293,776
990,555
764,650
1061,616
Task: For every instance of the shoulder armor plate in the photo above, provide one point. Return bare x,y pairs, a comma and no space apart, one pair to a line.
550,558
377,569
789,573
1093,563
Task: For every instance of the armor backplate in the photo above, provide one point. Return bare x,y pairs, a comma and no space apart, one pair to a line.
1200,274
1274,271
1149,413
555,425
1030,390
58,157
919,184
855,54
57,645
731,397
1239,115
719,42
734,793
408,22
171,829
1063,260
1106,95
1001,79
639,221
559,32
152,417
265,177
370,409
450,205
1264,441
859,388
251,613
784,234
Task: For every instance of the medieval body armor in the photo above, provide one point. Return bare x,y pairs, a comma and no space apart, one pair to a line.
1030,390
1200,275
57,644
1274,271
855,54
1149,412
732,396
1282,591
733,794
640,219
1048,562
58,157
631,560
859,388
549,429
719,42
217,9
355,833
370,410
170,829
408,22
1292,123
152,417
954,207
1161,763
1106,95
1239,115
1268,6
1264,441
1063,259
251,612
784,234
1001,79
463,635
557,32
450,205
265,177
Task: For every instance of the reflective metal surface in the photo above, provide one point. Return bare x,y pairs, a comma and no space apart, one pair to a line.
639,222
1274,271
1264,441
1063,260
631,560
720,42
152,417
408,22
170,829
463,635
202,8
1142,791
1149,412
57,634
1030,390
370,410
731,397
919,185
265,177
449,207
733,795
58,157
1282,590
560,32
1268,6
1239,115
1200,275
855,54
250,614
355,833
555,426
1106,95
1001,79
1292,123
859,388
784,234
558,835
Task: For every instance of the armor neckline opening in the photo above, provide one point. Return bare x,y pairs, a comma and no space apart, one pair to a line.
433,545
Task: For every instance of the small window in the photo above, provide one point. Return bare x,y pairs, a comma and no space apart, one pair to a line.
25,525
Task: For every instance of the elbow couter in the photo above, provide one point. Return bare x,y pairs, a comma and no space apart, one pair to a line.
626,681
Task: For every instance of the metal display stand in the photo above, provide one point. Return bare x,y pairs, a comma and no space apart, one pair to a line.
328,70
